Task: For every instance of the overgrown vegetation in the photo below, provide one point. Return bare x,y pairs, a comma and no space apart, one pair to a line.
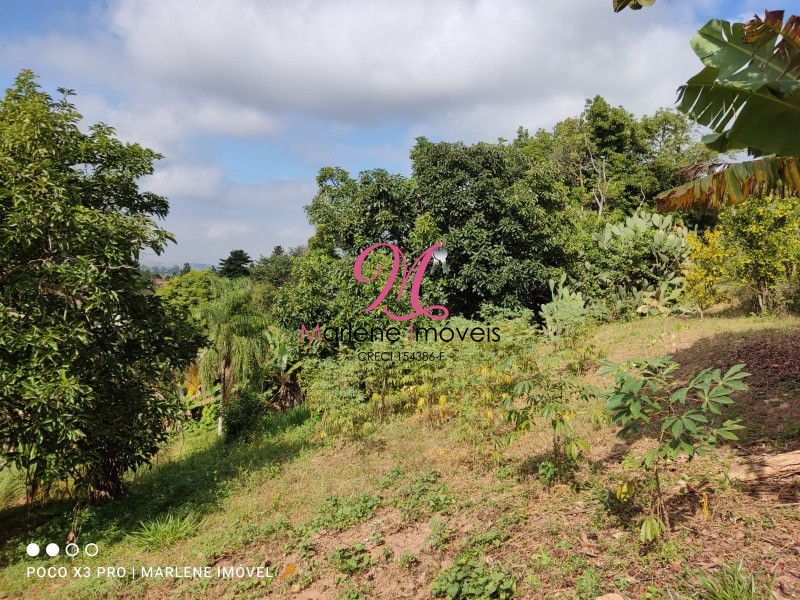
506,432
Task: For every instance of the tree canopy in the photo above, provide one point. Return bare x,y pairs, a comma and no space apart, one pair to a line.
87,354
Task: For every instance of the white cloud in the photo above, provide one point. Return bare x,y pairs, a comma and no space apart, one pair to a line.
322,79
226,231
204,182
364,62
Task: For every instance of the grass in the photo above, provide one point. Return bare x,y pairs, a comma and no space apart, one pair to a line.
734,582
343,517
164,531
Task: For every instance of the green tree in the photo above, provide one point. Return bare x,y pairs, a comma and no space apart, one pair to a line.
761,243
503,219
500,216
613,163
269,274
236,265
275,269
239,340
187,292
185,269
88,355
351,214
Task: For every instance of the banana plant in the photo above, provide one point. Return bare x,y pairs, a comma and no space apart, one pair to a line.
748,95
632,4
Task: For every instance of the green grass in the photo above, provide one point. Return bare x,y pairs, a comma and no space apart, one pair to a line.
162,532
734,582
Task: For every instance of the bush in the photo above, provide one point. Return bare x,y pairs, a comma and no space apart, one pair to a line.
705,269
635,265
242,413
566,315
761,238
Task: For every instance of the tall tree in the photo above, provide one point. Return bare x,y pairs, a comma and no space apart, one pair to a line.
236,265
88,355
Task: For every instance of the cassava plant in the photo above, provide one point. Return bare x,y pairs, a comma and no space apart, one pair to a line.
687,421
551,396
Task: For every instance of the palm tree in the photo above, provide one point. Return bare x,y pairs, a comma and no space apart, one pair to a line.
240,340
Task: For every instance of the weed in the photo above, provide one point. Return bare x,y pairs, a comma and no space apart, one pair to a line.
477,544
306,549
469,579
734,582
336,513
408,559
441,533
352,591
351,559
164,531
391,478
425,495
587,586
543,557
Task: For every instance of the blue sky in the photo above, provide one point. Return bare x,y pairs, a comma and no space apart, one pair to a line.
248,99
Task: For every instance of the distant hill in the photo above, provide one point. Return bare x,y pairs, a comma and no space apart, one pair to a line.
171,267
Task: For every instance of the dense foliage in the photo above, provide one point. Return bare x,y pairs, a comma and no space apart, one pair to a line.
513,216
753,253
88,356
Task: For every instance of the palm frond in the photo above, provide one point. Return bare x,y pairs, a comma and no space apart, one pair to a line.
748,92
733,184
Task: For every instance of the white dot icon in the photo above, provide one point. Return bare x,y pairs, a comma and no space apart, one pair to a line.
52,549
32,549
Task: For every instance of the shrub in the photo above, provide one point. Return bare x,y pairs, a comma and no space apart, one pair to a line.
567,314
635,265
705,269
761,237
242,413
686,420
550,395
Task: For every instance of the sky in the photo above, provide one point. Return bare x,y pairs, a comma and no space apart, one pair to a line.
248,99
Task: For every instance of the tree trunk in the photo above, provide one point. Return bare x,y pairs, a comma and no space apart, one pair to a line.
225,380
106,482
763,467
